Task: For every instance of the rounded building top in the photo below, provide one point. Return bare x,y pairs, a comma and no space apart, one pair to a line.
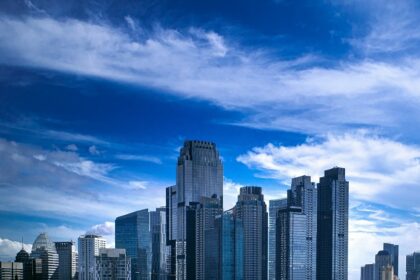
383,253
22,256
42,242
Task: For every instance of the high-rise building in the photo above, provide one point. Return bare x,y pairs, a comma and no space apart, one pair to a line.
292,257
132,233
112,264
159,250
332,226
67,260
11,271
387,272
199,176
367,272
45,250
231,254
252,211
393,252
32,268
273,207
89,246
171,231
382,259
412,265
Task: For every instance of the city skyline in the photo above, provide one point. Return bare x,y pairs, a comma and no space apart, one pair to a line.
98,96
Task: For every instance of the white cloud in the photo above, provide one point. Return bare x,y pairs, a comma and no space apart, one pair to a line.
145,158
375,166
9,249
106,228
293,95
94,151
72,147
138,185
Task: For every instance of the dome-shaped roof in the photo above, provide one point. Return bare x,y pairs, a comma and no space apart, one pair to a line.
383,253
42,242
22,256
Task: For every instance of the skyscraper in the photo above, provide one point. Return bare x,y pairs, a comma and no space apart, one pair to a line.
393,252
274,206
367,272
382,259
159,252
292,257
132,233
332,228
32,267
171,230
11,271
387,272
199,175
67,260
89,246
112,264
412,265
252,211
45,250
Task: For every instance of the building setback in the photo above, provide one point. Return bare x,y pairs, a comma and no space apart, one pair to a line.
89,246
332,228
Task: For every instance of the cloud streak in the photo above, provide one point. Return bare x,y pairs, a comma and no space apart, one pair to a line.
276,93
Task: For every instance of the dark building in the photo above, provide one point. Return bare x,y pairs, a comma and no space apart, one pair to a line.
382,260
132,233
332,233
393,252
159,253
274,206
11,271
32,268
367,272
171,231
67,260
412,265
251,210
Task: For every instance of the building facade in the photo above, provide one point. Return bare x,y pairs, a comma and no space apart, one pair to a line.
393,251
67,260
45,250
132,233
273,207
367,272
332,226
89,246
112,264
382,259
171,231
11,271
199,176
412,265
158,239
251,210
387,272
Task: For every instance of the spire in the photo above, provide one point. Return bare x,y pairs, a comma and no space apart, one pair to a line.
22,242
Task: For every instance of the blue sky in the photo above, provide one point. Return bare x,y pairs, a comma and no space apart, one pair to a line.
96,97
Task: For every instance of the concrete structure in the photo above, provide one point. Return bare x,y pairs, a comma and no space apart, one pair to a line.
45,250
11,271
252,211
67,260
89,246
112,264
332,226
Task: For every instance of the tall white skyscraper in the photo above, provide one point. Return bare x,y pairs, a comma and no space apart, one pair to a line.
89,246
44,249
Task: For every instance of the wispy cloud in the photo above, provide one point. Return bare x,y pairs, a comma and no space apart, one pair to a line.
276,93
145,158
9,249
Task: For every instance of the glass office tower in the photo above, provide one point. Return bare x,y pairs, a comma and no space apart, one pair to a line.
332,228
274,206
393,252
132,233
412,265
67,255
199,176
367,272
159,252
